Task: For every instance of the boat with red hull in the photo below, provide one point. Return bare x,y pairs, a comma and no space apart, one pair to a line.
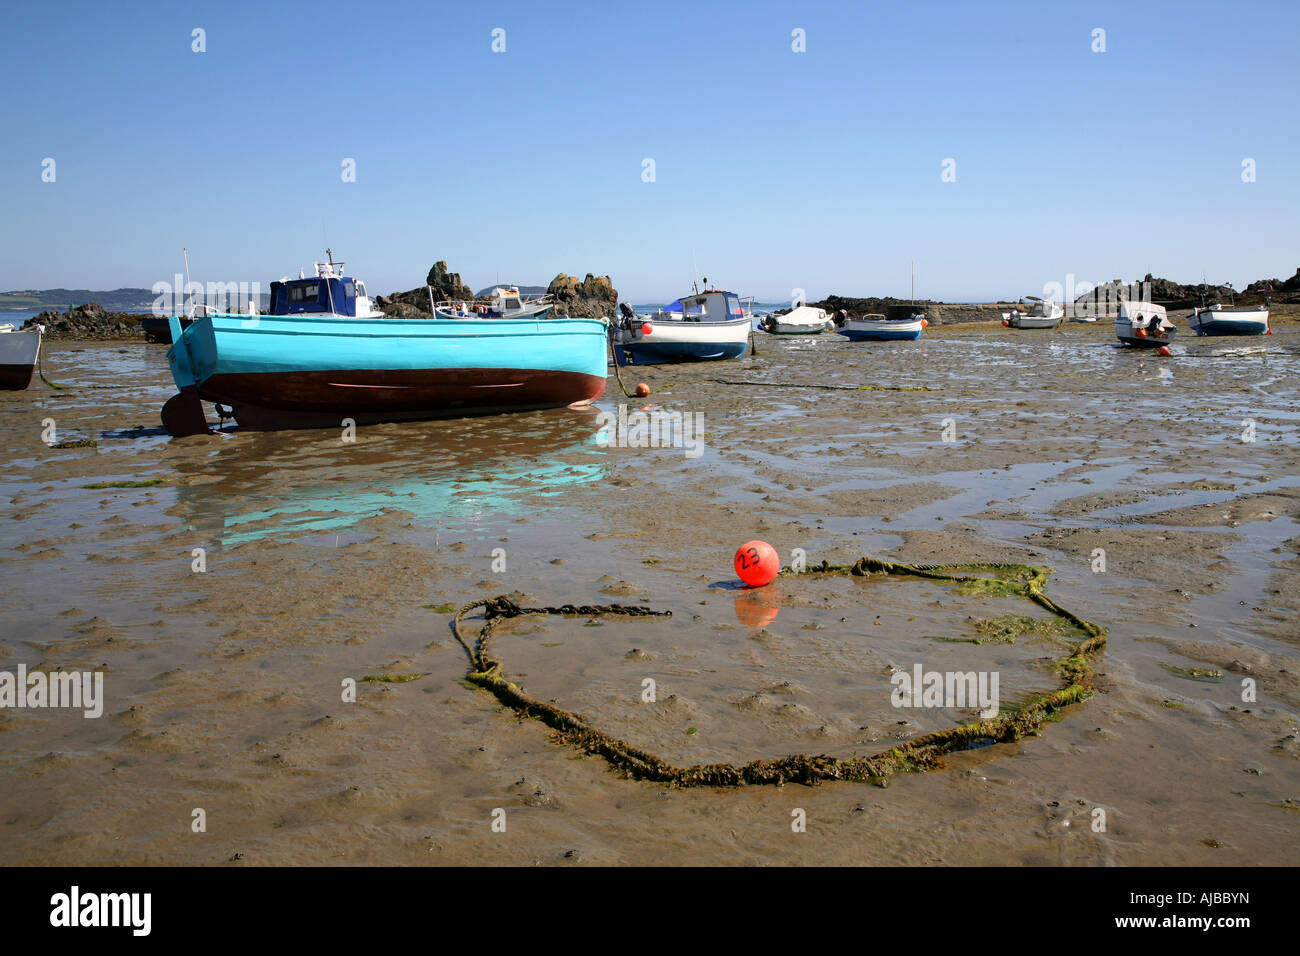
315,363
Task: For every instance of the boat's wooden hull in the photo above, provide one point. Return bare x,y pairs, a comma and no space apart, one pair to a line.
282,372
272,400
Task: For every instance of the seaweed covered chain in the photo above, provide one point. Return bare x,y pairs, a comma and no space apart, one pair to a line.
920,753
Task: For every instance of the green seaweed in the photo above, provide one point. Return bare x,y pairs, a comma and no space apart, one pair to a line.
390,678
918,754
439,608
1206,675
146,483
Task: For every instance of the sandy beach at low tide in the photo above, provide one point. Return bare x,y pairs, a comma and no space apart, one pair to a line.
327,560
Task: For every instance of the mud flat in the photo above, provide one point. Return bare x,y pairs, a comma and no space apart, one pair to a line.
325,561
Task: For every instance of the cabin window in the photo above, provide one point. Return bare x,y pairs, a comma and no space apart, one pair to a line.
309,292
361,288
511,303
350,289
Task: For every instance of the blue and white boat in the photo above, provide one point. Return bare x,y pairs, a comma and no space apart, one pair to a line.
712,324
904,323
325,354
1216,320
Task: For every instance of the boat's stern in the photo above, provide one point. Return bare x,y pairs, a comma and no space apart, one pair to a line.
182,414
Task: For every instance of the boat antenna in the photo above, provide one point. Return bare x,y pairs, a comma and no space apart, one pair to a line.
186,291
329,289
695,273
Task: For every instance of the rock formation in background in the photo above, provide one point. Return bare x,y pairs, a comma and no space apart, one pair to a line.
88,322
1274,290
414,304
446,285
592,298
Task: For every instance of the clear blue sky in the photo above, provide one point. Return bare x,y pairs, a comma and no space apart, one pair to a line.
776,169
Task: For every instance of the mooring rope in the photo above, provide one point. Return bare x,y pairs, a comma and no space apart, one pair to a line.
840,388
920,753
40,370
614,358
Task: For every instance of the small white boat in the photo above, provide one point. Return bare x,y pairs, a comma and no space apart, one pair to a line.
19,349
1216,320
1144,325
506,303
708,325
1040,315
904,323
803,320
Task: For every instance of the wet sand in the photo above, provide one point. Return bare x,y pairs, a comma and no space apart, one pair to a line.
328,560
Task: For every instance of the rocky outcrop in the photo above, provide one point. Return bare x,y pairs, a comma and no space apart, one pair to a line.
414,304
592,298
446,285
1274,290
88,322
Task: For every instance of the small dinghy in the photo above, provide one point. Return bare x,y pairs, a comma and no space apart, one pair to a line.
902,323
19,349
1216,320
1144,325
803,320
1040,314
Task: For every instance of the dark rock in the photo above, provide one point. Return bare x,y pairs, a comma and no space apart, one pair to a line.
592,298
90,321
441,285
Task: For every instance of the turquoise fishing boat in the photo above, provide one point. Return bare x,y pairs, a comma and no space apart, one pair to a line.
324,355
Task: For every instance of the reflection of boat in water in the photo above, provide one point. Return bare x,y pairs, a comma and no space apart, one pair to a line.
447,475
324,356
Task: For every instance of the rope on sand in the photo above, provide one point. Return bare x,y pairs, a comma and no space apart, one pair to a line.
919,754
837,388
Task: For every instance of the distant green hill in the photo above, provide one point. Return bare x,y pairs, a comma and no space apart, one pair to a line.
61,300
118,300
